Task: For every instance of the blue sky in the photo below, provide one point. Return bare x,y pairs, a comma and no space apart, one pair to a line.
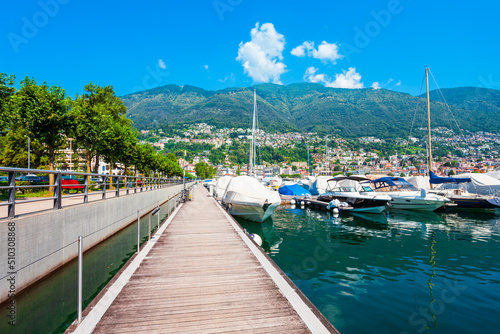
214,44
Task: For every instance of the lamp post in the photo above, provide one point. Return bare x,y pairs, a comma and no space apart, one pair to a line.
29,143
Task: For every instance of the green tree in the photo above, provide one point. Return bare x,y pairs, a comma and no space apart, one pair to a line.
43,112
204,170
94,112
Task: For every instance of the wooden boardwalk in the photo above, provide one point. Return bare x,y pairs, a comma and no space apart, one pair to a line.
202,276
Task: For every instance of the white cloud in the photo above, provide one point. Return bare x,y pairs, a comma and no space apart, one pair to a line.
231,78
378,85
311,76
349,79
206,67
346,79
324,52
161,63
300,51
261,56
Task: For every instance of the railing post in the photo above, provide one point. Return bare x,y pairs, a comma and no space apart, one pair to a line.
158,219
138,231
80,277
86,192
142,183
126,182
117,192
104,185
149,228
58,191
12,195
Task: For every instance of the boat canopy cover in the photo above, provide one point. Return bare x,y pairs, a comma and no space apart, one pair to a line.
320,184
480,184
221,185
249,189
293,190
419,181
434,179
495,174
390,181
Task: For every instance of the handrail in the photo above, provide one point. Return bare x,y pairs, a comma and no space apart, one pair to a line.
118,182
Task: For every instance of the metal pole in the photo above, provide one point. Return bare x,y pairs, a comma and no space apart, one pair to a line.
138,231
29,152
80,275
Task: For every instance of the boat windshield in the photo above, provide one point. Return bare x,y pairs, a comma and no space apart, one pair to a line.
345,189
367,188
393,183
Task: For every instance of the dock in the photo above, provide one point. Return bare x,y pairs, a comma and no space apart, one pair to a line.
201,273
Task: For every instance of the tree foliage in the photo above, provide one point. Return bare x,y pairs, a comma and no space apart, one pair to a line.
96,120
43,113
204,170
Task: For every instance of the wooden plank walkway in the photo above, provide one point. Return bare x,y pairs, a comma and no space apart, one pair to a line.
201,276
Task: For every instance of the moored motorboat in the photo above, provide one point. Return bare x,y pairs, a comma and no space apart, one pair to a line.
461,197
404,195
343,189
247,198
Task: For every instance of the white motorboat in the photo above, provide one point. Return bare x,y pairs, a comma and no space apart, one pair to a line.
404,195
247,198
343,189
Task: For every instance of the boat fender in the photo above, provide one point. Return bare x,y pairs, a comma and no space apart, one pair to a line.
335,210
256,238
292,201
333,204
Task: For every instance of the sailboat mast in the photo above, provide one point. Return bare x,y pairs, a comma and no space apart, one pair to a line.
252,143
428,119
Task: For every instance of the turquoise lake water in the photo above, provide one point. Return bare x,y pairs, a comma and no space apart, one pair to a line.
395,272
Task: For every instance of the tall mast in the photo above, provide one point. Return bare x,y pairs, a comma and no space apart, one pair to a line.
428,119
308,159
252,143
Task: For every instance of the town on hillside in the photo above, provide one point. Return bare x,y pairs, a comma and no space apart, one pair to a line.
302,154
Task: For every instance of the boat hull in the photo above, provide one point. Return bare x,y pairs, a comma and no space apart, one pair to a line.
359,204
252,211
414,200
415,204
470,202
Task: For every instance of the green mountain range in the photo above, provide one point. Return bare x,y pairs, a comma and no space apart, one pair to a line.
315,108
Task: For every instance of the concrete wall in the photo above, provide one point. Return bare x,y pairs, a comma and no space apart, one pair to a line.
42,236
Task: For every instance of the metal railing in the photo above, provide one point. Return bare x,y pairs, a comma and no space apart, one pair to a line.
105,184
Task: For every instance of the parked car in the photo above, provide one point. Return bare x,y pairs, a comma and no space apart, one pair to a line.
96,179
4,178
29,178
